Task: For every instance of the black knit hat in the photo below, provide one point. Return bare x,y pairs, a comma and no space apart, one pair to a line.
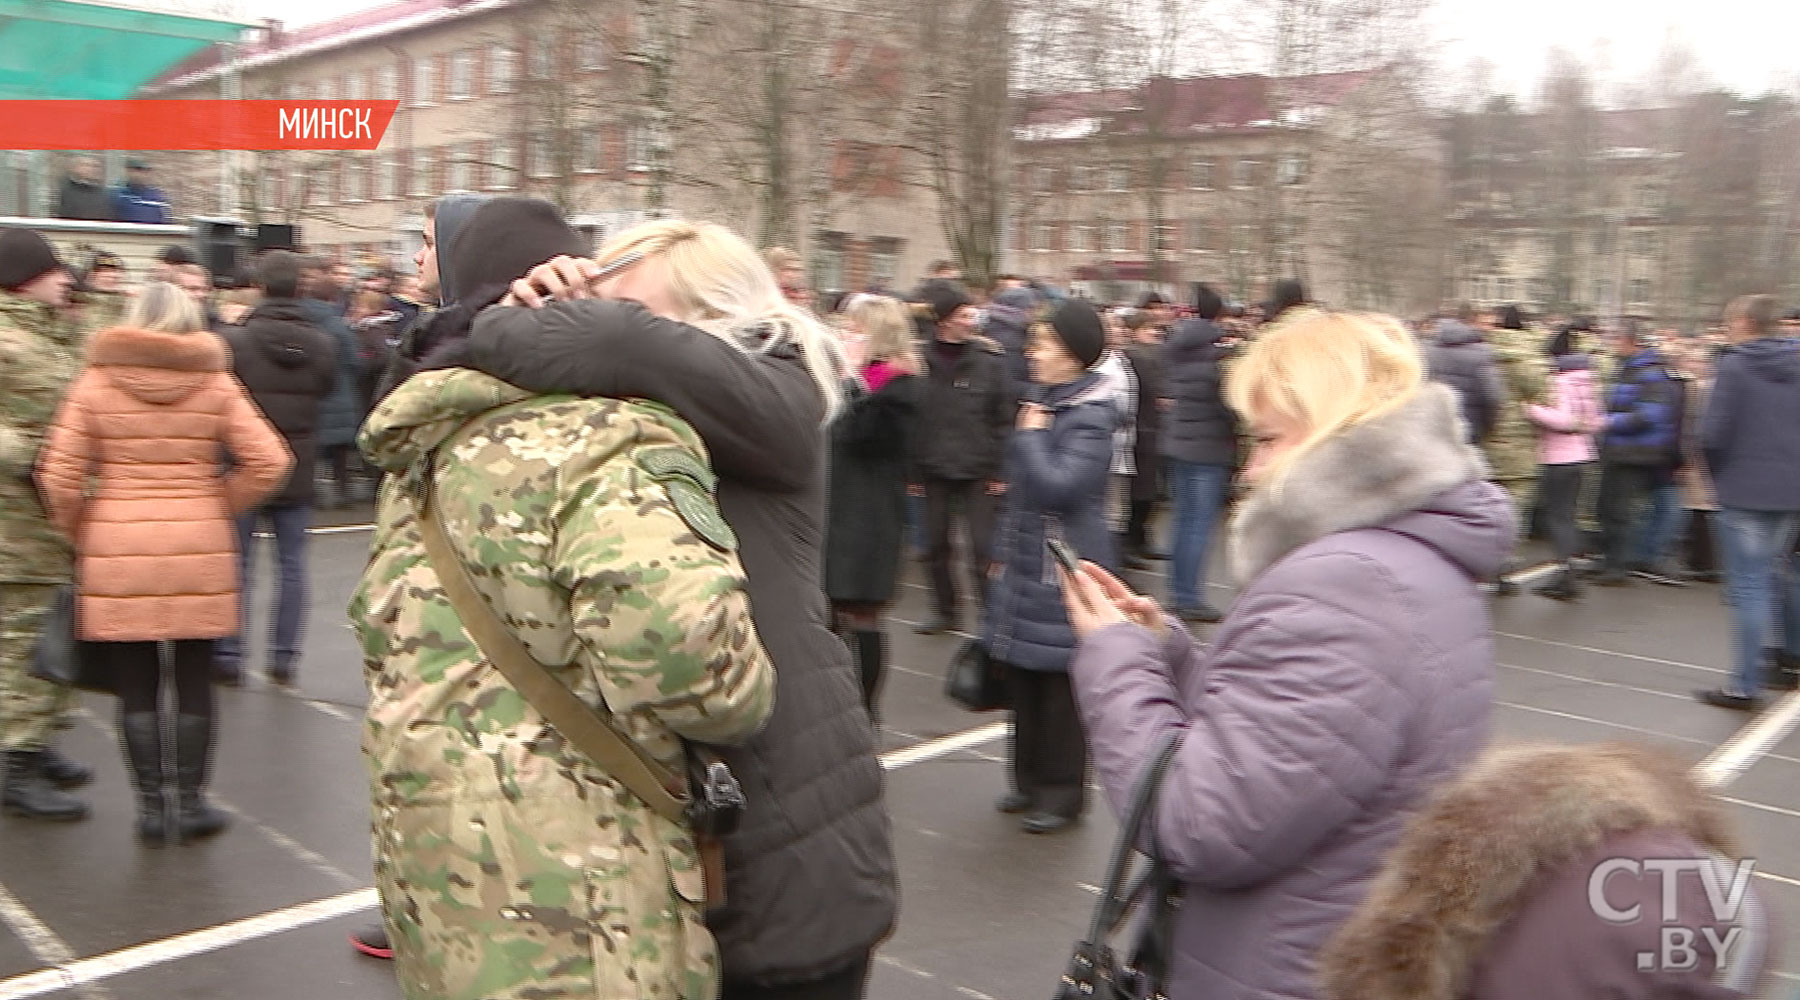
507,237
1082,333
944,299
25,256
177,253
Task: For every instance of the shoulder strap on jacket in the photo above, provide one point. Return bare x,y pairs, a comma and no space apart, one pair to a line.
578,723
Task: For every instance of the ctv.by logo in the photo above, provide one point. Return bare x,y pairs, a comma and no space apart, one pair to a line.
1727,887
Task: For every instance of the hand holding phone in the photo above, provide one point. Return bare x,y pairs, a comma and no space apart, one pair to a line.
1071,563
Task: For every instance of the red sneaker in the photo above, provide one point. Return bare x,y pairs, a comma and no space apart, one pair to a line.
372,941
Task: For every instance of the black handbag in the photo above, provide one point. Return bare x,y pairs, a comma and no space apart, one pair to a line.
1096,971
58,657
975,681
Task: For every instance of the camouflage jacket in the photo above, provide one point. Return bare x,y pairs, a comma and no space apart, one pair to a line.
509,865
38,359
1512,448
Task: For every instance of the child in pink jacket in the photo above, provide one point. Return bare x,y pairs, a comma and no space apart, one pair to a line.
1565,450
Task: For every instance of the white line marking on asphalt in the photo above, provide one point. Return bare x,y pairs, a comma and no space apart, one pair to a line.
1735,755
171,949
1761,806
943,745
306,855
973,994
1525,576
45,946
1600,722
1597,683
329,529
892,963
1611,652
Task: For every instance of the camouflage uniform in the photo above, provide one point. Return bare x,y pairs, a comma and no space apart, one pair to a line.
509,866
38,359
1512,448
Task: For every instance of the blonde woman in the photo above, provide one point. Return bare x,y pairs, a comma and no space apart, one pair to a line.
1353,674
865,521
689,315
156,544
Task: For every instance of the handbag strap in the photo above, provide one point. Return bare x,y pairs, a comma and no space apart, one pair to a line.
1116,897
578,722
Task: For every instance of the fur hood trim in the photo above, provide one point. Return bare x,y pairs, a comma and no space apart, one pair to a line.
1361,478
129,347
1467,861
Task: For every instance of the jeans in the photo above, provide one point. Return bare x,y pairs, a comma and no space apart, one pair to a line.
289,524
1661,523
1199,491
1757,546
1560,489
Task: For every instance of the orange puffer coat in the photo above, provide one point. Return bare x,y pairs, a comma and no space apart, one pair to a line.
133,470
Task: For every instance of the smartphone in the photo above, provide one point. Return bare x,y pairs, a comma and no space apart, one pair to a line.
611,268
1071,562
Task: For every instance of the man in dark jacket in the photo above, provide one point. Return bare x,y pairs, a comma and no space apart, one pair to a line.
965,417
1460,358
288,365
1009,321
1751,438
1199,440
84,194
1145,355
444,220
341,412
138,200
1640,432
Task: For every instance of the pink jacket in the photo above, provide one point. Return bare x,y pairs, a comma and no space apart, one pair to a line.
1570,420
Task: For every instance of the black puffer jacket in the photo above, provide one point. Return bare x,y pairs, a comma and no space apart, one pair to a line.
866,518
289,365
1201,428
967,408
810,873
1462,360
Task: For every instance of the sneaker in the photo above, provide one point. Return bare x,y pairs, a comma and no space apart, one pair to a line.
935,625
1660,577
1612,578
1725,699
1205,614
1504,587
282,674
1783,673
372,941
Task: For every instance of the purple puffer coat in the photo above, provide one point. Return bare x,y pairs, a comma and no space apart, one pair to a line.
1354,673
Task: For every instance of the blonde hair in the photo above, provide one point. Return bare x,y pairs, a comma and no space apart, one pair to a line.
722,286
1325,372
165,308
888,324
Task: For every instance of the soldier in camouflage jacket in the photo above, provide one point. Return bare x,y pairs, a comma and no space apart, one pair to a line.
1511,448
509,865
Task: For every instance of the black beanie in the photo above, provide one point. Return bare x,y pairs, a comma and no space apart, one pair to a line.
1081,330
945,299
25,256
507,237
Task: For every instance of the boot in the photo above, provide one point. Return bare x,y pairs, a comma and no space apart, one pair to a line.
1561,587
193,756
871,656
29,793
1784,671
141,734
63,772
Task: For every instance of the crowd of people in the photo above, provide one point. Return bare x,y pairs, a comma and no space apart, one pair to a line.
653,478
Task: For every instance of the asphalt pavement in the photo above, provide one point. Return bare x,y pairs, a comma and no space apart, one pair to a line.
988,912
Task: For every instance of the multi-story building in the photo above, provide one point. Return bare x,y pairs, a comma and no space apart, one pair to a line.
578,102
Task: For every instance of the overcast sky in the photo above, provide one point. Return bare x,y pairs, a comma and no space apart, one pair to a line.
1749,45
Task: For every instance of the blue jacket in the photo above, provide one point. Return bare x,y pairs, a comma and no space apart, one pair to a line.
1643,419
1056,488
145,205
1751,431
1202,428
341,413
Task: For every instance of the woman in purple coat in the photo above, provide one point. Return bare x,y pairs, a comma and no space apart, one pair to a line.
1353,674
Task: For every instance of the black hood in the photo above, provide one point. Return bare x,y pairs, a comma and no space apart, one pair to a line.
1454,333
452,212
276,335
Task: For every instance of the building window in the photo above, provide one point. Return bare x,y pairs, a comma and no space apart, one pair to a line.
1200,175
590,150
1168,236
1081,238
884,261
356,188
828,263
1243,237
590,53
543,57
1292,169
540,157
1602,292
1081,177
1504,289
1043,178
1117,235
503,69
462,75
1244,172
643,147
387,83
318,187
326,91
1640,291
505,174
1042,235
387,180
1643,244
423,173
1198,235
1540,291
302,91
266,195
424,82
356,86
1118,178
1650,198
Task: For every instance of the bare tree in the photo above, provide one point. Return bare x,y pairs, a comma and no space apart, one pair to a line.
963,120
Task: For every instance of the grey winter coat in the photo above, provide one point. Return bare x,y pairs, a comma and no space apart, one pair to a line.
1201,428
810,878
341,413
1056,488
1462,360
1354,673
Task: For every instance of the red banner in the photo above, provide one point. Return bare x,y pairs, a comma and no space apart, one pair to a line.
152,125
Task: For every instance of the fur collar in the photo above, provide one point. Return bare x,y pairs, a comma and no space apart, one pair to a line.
1363,477
1468,860
128,347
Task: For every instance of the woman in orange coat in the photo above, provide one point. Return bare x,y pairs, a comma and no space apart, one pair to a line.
132,472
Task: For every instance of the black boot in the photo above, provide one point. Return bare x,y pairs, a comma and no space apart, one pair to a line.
193,756
141,734
1561,587
871,662
30,794
63,772
1784,671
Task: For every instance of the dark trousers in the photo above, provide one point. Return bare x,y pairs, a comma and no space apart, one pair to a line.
1700,544
945,499
1048,751
850,984
289,524
1559,490
1621,486
1137,529
137,671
